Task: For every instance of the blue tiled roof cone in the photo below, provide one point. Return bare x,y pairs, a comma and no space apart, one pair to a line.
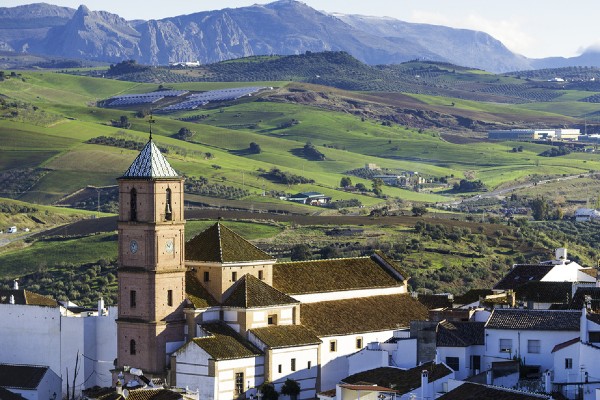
150,163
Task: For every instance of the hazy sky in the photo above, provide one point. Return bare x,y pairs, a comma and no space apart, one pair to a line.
534,28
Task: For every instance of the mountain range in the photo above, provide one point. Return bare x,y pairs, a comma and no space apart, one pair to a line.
283,27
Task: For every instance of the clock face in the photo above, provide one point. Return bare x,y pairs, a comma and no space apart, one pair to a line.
169,247
133,246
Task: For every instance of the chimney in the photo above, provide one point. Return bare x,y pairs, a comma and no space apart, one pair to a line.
11,299
547,382
583,328
425,384
100,306
15,285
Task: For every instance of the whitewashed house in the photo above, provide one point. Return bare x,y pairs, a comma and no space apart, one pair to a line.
56,337
32,382
529,335
461,346
577,361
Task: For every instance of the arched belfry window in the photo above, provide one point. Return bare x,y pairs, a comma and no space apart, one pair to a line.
169,207
133,205
132,346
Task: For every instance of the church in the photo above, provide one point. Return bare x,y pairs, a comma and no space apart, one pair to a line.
218,315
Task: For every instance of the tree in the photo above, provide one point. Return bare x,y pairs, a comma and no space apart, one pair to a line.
268,391
330,251
291,388
300,252
419,210
124,122
539,208
185,134
345,182
377,184
361,187
254,148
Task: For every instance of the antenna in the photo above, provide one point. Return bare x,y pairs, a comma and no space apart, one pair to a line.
150,122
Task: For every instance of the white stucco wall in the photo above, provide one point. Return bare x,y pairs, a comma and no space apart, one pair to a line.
349,294
464,355
41,336
334,365
548,339
305,376
366,359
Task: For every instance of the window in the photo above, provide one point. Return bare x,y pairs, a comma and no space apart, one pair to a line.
594,337
505,345
279,368
234,276
133,205
309,365
453,362
260,275
206,276
170,298
293,364
333,345
476,362
239,383
168,208
359,342
132,349
533,346
568,363
132,299
272,319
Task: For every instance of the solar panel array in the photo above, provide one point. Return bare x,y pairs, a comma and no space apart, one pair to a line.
143,98
199,99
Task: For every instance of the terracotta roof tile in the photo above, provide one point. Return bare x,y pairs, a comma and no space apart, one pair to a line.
279,336
223,343
565,344
220,244
523,273
153,394
196,293
460,334
472,296
403,381
336,275
545,320
250,292
475,391
433,301
21,376
25,297
365,314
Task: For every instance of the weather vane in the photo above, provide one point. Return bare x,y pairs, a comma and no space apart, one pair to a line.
150,122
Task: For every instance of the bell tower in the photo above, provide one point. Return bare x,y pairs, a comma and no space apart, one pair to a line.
151,274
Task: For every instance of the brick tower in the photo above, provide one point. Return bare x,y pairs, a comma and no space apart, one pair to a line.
151,263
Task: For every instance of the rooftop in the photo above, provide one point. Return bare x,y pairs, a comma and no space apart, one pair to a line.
150,163
279,336
367,314
196,293
250,292
475,391
523,273
220,244
524,319
21,376
403,381
316,276
25,297
460,334
545,292
223,343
